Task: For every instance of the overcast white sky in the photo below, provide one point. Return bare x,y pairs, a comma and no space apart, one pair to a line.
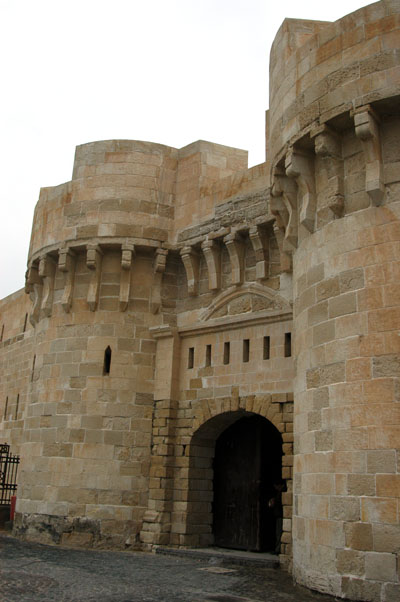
167,71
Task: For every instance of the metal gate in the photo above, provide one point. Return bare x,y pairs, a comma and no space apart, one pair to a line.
8,474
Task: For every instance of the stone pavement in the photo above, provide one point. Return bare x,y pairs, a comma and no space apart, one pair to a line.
31,572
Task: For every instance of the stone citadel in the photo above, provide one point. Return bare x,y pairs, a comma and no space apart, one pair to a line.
210,354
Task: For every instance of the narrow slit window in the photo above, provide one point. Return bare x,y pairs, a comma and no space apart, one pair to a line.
16,407
208,355
2,332
288,344
33,367
267,348
5,409
246,350
107,361
227,352
25,322
191,358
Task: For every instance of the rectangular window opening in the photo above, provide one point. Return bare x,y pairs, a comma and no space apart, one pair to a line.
2,333
246,350
25,322
227,352
5,409
208,355
33,367
191,357
267,348
16,407
288,344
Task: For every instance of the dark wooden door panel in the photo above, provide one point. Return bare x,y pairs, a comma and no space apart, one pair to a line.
244,471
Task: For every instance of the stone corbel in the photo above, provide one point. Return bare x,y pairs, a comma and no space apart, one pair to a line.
66,263
160,260
191,261
34,287
328,147
299,165
284,206
260,246
127,255
235,246
47,270
212,254
286,258
94,256
367,130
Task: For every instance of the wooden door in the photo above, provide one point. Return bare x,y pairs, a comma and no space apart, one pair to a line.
247,463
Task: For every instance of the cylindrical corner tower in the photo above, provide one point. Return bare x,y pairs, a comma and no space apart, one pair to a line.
335,127
96,259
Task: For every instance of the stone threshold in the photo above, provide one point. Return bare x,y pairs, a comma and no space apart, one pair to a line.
224,556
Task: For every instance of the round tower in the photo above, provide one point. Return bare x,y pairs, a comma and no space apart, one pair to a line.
334,131
96,260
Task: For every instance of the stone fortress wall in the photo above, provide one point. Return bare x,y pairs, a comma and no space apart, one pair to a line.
164,285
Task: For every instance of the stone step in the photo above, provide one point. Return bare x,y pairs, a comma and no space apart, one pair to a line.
221,556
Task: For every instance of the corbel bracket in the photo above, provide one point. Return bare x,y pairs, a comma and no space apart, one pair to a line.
328,147
127,255
285,258
212,254
34,288
234,244
259,242
66,263
94,256
299,165
47,270
191,261
160,260
367,130
284,207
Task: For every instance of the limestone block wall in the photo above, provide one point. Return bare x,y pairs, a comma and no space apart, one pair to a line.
335,195
87,430
16,366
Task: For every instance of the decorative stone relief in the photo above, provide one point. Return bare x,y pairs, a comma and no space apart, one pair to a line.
328,147
47,268
94,256
249,298
367,130
66,263
300,166
212,254
190,258
160,260
127,254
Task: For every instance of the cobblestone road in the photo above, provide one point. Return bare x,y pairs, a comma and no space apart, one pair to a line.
33,572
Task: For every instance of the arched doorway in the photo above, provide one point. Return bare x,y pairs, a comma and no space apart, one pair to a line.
247,510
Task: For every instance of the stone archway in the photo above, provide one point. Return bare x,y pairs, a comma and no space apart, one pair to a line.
210,518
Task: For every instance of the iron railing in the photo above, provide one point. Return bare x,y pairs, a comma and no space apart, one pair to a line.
8,474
